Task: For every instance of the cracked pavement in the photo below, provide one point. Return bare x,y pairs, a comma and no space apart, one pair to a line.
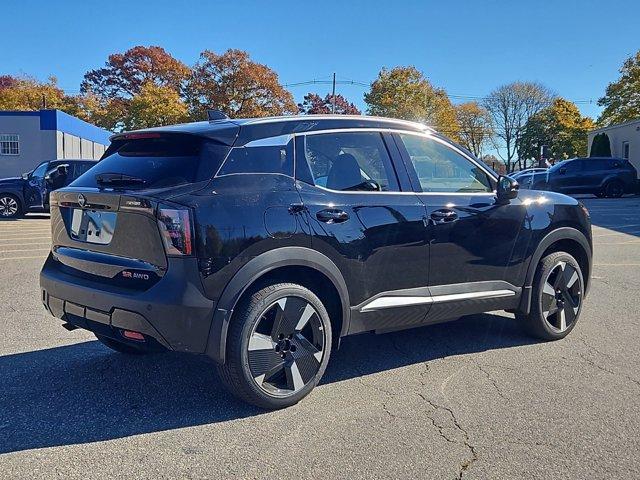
472,399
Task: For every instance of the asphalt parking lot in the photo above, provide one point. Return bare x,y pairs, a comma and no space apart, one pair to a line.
473,399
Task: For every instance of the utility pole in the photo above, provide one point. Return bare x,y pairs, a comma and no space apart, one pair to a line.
44,102
333,95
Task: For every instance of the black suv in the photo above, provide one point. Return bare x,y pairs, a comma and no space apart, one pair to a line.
260,243
603,177
30,193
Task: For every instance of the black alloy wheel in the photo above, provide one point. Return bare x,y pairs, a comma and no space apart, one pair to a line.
278,346
558,291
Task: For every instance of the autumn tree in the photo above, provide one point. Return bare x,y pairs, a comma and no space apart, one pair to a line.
124,74
26,93
233,83
404,92
510,107
621,101
560,126
314,104
475,126
107,93
155,105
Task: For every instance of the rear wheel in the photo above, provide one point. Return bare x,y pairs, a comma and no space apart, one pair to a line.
278,346
556,303
9,206
614,189
121,347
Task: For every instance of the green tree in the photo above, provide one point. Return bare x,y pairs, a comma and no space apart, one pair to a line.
404,92
561,127
475,126
233,83
600,146
621,101
155,105
511,106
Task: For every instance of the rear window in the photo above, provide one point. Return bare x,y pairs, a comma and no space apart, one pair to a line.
160,161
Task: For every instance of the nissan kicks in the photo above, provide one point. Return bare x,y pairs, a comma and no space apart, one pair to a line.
260,243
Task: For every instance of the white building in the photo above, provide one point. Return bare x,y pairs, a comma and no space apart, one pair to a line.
624,139
28,138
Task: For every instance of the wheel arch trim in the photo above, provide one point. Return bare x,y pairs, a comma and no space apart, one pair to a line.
256,268
563,233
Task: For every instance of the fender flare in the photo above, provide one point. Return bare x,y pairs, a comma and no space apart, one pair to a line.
15,193
255,268
563,233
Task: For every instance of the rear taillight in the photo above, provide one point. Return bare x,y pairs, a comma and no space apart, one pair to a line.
176,230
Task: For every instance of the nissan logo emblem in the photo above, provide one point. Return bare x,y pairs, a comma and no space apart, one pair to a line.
82,201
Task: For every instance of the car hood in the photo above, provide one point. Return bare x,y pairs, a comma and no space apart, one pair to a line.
11,181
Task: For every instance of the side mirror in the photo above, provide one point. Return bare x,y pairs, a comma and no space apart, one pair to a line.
507,188
25,176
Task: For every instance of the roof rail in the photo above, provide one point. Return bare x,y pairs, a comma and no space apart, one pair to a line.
216,115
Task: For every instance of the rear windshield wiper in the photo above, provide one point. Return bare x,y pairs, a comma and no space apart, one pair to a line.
118,179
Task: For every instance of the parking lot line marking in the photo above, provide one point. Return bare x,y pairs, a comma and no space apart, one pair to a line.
22,244
616,226
24,250
21,238
616,264
42,257
617,233
631,242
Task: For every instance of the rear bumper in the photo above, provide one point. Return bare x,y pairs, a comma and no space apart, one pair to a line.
174,312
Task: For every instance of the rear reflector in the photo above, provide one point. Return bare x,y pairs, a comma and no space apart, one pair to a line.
175,227
133,335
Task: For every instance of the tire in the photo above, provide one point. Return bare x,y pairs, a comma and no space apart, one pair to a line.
10,206
614,189
278,346
555,310
121,347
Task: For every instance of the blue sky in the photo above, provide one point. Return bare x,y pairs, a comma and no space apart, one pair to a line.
466,47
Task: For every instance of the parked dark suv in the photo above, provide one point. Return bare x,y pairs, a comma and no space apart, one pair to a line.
260,243
603,177
30,193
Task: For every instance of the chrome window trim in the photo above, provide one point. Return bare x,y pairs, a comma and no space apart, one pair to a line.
426,134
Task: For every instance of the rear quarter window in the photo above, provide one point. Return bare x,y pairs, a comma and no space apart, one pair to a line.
267,155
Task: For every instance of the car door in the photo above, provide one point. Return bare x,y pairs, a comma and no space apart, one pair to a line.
569,178
476,245
365,218
35,189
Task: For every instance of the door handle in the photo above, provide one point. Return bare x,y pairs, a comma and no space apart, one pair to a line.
332,215
444,215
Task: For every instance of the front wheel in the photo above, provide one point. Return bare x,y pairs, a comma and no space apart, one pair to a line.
558,290
9,206
278,347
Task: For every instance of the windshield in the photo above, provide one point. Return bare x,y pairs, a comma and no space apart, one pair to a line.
160,161
39,171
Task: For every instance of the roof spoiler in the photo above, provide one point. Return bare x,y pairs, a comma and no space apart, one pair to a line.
215,115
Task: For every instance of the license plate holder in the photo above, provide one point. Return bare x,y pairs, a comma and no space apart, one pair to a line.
93,226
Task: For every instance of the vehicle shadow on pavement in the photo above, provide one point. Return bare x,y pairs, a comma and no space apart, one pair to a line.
621,215
86,393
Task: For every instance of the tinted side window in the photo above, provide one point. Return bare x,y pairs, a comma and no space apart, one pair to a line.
267,155
575,166
352,161
442,169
